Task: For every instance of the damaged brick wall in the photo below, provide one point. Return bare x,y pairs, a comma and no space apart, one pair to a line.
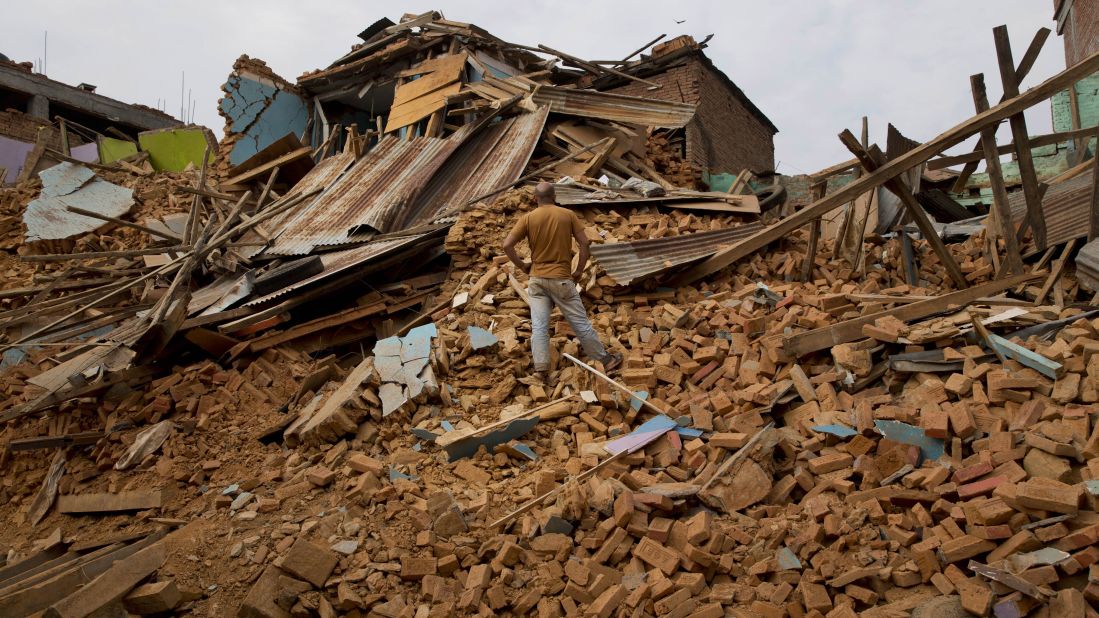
24,127
725,135
259,107
1080,30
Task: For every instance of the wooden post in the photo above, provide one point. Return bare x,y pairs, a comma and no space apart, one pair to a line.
1012,263
1020,73
1019,134
1093,220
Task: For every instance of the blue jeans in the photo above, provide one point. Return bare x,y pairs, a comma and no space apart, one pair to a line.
544,294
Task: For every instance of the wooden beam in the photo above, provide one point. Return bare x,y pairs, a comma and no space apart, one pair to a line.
1055,272
898,188
893,168
109,503
1093,218
1034,141
850,330
1012,263
1019,133
1021,72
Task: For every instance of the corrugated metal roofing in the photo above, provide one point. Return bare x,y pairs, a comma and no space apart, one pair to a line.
399,184
322,176
369,197
627,262
616,107
339,261
1066,206
493,158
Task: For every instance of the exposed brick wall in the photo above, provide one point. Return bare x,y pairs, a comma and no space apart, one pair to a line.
732,137
24,127
724,135
1081,30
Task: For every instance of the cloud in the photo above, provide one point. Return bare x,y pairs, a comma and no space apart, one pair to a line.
814,68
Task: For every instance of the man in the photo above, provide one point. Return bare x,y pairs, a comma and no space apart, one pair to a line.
550,230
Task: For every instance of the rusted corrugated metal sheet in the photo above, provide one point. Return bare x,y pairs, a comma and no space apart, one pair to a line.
400,184
1066,206
337,262
370,197
322,176
495,157
677,198
616,107
627,262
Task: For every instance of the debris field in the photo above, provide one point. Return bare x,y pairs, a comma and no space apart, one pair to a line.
300,385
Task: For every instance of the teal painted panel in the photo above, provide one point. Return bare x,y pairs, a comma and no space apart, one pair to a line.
261,113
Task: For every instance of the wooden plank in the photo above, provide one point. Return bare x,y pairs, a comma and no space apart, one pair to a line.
33,157
263,170
78,504
112,585
273,339
893,168
420,108
898,188
1093,215
1019,133
1055,272
66,440
850,330
1021,72
25,596
412,90
1013,262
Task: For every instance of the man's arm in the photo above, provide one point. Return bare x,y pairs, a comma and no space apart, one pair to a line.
583,242
517,233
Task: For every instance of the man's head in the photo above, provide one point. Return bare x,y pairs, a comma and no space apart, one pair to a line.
544,193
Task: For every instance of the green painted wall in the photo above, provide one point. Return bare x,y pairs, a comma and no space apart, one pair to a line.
111,149
173,150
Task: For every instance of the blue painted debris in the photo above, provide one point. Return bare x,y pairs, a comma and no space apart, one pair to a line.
390,346
401,476
446,426
424,434
931,448
689,432
468,447
523,450
638,399
787,560
480,338
840,431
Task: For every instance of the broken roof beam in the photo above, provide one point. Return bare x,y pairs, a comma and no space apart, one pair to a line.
904,194
1012,263
595,69
1019,133
851,330
1034,141
897,166
1021,72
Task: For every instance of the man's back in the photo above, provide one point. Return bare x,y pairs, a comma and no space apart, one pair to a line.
548,230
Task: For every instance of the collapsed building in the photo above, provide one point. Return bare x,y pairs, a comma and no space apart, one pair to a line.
290,377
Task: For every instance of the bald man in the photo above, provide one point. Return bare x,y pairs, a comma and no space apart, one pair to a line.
550,230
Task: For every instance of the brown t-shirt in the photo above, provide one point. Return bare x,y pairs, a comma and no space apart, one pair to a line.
548,230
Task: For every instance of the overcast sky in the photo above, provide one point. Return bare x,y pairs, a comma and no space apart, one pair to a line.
814,67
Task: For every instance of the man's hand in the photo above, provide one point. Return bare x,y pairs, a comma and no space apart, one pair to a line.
526,266
576,274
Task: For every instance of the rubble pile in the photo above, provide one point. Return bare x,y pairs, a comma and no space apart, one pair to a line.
301,386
